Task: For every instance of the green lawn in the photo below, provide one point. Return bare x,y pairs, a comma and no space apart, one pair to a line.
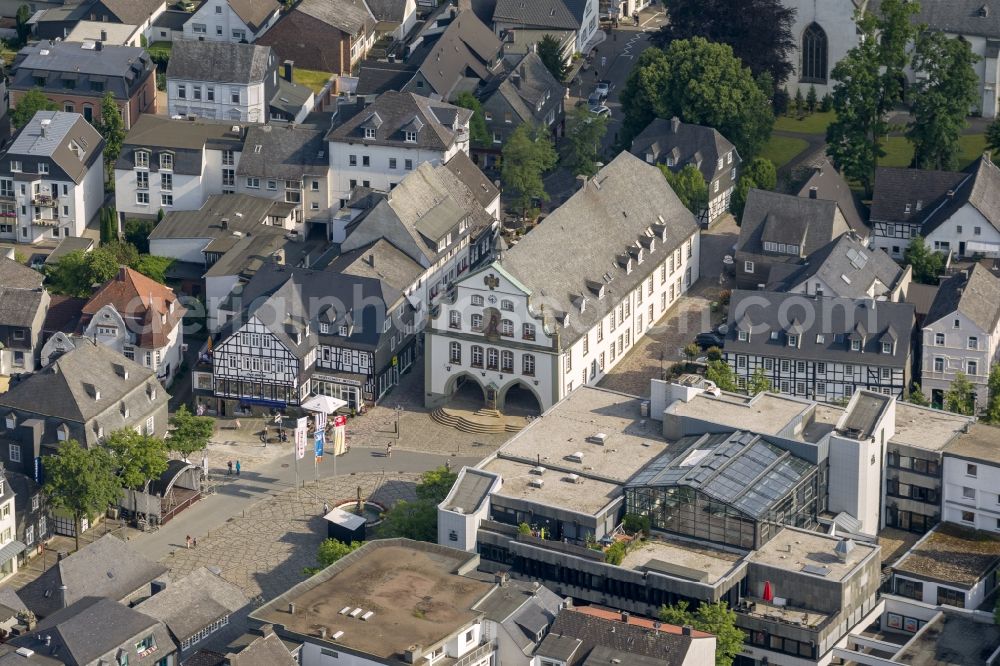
814,123
781,149
310,78
899,151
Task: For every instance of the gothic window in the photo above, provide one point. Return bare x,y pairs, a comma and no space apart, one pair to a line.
814,52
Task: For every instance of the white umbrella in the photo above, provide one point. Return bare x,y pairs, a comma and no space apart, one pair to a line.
324,404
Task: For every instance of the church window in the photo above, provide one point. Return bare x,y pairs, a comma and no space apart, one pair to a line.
814,54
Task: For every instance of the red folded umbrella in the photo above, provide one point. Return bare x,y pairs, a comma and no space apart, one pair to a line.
768,592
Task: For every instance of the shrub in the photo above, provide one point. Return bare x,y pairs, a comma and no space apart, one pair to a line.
615,553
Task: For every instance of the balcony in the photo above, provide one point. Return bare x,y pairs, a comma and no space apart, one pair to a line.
46,200
45,222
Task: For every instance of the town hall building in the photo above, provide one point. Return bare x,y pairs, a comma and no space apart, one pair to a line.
567,302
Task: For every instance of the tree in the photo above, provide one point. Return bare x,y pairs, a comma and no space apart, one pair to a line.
527,155
927,264
77,272
826,104
758,383
691,351
154,267
992,414
702,83
435,484
109,225
868,85
190,433
112,128
718,619
21,23
410,520
689,186
329,551
761,38
28,104
942,100
811,99
917,396
800,102
478,132
759,174
960,397
136,232
80,481
137,458
584,133
723,376
551,56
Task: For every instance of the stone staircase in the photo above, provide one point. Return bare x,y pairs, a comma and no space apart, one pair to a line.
482,421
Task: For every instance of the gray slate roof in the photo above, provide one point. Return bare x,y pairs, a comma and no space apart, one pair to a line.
830,185
529,88
350,16
68,140
836,319
467,49
15,275
847,257
482,188
387,10
267,650
219,62
134,12
287,151
981,190
380,260
629,642
254,12
393,113
196,601
537,13
93,627
959,17
60,389
120,68
910,195
687,144
521,609
590,233
19,307
974,293
428,200
107,567
244,213
809,223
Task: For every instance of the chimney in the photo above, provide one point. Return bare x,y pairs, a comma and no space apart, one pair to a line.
625,617
287,68
515,78
44,124
48,640
104,35
582,179
371,260
675,124
121,274
98,46
62,596
686,630
225,223
291,608
813,192
322,633
951,194
267,630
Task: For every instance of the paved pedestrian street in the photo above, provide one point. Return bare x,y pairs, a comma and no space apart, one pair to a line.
265,549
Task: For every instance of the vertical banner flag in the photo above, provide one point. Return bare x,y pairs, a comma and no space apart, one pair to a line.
319,444
301,434
320,420
339,435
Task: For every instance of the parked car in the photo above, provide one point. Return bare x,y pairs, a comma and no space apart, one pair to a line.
601,110
709,339
603,89
594,99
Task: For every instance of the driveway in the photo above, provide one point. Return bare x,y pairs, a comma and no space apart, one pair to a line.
663,345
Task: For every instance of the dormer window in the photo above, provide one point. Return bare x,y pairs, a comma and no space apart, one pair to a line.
342,331
886,347
166,161
10,421
744,336
793,340
855,345
369,132
411,136
62,432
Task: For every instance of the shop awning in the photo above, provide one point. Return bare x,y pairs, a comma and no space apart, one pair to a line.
11,550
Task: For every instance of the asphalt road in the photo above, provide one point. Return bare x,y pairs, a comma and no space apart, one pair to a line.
235,495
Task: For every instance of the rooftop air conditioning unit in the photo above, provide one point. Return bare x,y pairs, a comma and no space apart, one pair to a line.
539,470
576,457
598,438
536,483
574,478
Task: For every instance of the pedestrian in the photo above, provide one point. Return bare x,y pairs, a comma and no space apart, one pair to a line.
326,508
263,436
388,450
194,542
236,424
604,61
187,541
229,468
237,468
